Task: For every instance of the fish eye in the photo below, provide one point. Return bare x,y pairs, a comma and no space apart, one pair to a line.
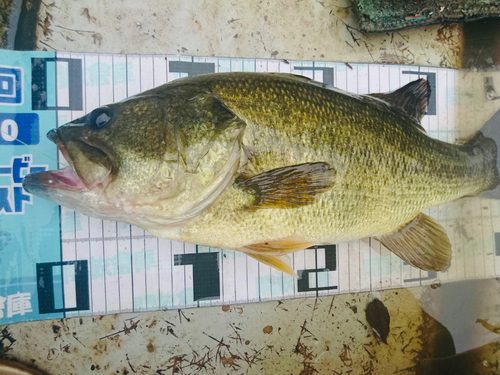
100,117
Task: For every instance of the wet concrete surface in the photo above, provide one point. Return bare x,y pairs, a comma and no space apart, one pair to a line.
328,335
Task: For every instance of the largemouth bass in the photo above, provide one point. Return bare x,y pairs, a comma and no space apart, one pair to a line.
269,164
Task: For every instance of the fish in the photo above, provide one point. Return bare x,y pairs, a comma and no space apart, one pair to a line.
269,164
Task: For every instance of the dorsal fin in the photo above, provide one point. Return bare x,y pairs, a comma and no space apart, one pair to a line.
412,98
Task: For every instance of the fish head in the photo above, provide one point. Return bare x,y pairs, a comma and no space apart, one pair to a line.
121,159
135,162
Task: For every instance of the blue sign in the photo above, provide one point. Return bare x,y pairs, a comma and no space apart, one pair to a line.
29,226
11,85
19,129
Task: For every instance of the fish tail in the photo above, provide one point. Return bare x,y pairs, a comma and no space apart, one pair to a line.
488,140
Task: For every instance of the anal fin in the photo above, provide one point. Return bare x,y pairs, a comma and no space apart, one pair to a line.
423,243
282,246
282,263
274,253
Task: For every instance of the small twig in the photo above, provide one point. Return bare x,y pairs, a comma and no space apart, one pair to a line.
128,360
41,41
76,338
78,31
183,315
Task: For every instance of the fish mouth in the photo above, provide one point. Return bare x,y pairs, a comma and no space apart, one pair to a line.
89,168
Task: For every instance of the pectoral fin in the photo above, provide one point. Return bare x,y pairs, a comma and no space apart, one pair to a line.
423,243
288,187
282,263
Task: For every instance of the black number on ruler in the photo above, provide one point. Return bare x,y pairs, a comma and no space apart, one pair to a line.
430,275
191,68
330,265
206,276
45,286
39,84
431,78
327,73
497,244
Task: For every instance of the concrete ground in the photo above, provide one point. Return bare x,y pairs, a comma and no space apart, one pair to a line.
328,335
301,30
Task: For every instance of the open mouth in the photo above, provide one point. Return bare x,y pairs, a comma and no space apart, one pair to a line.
65,178
88,168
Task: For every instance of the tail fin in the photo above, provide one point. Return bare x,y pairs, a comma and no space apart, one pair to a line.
491,131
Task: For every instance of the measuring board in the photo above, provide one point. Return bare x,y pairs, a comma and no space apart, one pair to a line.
56,262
